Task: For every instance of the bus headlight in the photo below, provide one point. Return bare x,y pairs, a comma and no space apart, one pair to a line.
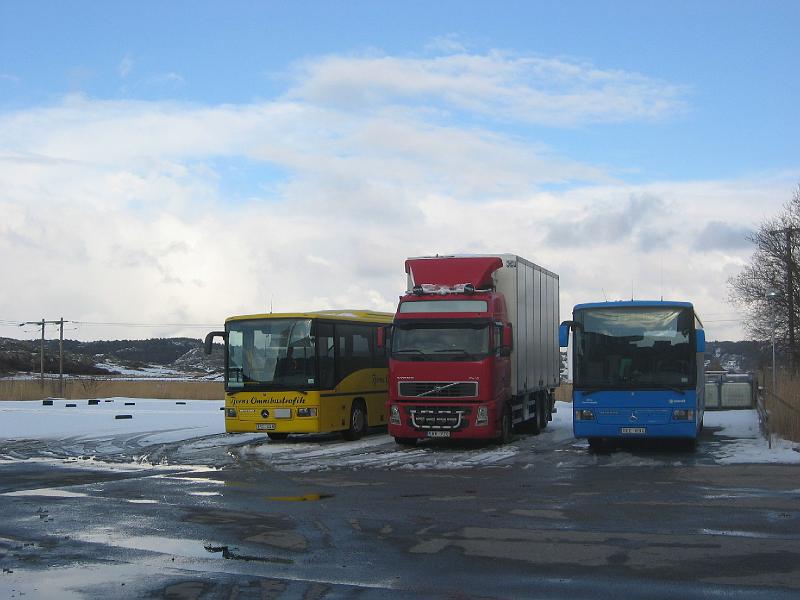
482,417
681,414
394,415
230,412
306,412
584,415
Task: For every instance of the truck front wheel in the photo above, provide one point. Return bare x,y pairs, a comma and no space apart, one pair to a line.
505,425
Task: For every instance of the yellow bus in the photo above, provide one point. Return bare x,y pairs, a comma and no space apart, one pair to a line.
304,372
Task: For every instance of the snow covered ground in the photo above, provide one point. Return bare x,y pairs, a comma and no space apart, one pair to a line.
192,432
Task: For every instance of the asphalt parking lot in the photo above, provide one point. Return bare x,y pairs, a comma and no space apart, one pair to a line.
138,514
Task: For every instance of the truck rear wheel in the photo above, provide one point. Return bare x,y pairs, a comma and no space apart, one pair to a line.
542,410
358,421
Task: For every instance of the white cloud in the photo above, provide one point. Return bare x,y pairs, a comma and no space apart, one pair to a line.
118,211
497,85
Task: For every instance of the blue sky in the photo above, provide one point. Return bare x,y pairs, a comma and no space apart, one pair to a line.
659,122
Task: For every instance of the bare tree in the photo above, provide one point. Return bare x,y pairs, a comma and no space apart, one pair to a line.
768,289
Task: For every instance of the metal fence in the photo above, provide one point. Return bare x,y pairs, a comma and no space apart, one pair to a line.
726,391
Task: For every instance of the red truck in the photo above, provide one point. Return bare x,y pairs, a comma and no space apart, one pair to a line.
473,349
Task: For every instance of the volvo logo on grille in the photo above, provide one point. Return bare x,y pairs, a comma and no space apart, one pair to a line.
265,413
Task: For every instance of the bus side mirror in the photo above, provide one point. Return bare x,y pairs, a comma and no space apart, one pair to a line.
563,334
508,337
210,340
701,340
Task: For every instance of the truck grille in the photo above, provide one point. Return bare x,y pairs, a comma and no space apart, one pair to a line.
438,389
439,418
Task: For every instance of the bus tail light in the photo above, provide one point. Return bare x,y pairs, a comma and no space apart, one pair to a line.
584,415
681,414
394,415
306,412
230,412
482,417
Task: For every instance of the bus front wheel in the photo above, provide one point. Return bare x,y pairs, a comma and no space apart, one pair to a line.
358,422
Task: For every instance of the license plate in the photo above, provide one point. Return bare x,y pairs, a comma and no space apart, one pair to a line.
633,430
267,426
438,434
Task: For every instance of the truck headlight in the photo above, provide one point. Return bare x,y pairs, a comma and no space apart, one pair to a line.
394,415
482,418
584,415
681,414
306,412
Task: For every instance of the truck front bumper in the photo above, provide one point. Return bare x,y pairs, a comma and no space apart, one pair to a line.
447,421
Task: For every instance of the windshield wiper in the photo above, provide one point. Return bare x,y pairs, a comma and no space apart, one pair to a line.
416,351
453,351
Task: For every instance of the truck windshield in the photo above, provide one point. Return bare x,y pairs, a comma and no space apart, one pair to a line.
440,342
270,353
634,347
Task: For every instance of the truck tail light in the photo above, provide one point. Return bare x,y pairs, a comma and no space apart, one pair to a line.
394,415
482,418
584,415
681,414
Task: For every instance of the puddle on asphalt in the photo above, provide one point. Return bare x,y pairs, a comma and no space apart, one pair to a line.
304,498
152,543
47,492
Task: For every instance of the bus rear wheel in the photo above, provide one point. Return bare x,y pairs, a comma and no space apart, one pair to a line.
277,436
358,422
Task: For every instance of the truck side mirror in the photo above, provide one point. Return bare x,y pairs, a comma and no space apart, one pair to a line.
382,335
508,337
563,334
701,340
210,340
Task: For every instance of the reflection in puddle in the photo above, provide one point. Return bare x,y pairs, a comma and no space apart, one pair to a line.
305,498
151,543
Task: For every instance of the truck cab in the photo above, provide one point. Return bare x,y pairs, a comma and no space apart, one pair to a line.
451,352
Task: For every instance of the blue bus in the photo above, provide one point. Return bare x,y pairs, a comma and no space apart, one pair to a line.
637,370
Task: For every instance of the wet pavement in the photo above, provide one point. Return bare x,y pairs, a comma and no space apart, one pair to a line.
221,516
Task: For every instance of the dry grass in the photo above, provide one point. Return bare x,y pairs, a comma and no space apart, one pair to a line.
90,388
784,407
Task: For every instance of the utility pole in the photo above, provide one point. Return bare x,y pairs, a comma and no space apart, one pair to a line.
41,324
61,357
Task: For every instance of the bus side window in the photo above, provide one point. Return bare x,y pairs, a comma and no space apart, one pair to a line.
353,346
325,355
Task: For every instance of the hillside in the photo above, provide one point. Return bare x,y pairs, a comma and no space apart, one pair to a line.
166,357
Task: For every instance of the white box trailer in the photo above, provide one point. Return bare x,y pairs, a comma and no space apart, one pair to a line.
531,294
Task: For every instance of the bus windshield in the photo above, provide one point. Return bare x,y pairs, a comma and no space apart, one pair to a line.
634,347
272,353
